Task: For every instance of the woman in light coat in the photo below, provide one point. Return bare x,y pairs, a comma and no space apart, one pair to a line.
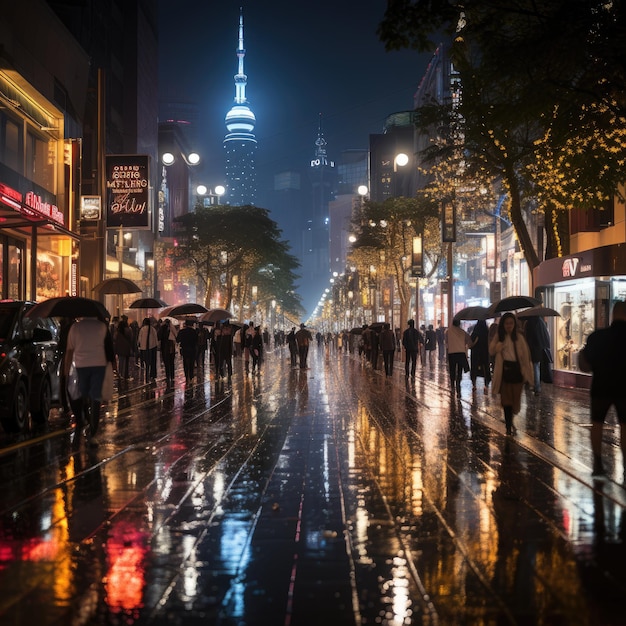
509,345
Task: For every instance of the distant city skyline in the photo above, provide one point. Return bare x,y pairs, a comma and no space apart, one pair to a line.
303,63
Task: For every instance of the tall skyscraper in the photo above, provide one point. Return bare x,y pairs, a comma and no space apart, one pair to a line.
240,142
315,245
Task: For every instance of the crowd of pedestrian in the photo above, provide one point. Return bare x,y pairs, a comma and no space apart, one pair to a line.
506,355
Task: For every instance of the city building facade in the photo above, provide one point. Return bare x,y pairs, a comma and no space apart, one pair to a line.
40,148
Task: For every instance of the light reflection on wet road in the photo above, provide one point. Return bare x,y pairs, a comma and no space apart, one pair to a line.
332,495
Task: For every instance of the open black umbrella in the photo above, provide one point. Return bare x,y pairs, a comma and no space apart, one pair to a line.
512,303
147,303
216,315
356,330
180,310
473,313
69,306
539,311
377,326
118,286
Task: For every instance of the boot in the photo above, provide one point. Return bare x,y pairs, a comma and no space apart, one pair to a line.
508,419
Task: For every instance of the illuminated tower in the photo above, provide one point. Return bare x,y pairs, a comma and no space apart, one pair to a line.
240,143
315,255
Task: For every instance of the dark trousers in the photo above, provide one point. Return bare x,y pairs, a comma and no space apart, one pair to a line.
410,361
388,361
456,362
303,352
189,361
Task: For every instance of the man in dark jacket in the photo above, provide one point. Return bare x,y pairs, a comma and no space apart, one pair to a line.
410,342
605,356
388,347
293,347
188,339
538,340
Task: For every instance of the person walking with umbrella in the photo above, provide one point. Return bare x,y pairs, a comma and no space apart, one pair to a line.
90,347
123,344
512,367
187,338
480,361
167,339
457,343
147,340
603,356
538,340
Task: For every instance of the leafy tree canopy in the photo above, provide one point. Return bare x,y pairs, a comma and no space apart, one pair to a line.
230,249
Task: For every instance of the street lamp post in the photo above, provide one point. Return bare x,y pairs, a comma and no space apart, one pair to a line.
212,195
448,233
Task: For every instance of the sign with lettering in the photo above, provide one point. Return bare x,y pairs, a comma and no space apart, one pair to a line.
90,208
36,206
10,196
448,222
128,191
573,267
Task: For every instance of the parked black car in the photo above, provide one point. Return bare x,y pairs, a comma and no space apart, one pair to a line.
30,362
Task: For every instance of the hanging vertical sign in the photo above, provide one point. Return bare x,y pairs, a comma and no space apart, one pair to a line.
448,222
417,261
128,191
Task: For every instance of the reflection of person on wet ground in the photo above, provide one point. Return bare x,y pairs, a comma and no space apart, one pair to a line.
480,362
509,345
513,575
604,356
88,509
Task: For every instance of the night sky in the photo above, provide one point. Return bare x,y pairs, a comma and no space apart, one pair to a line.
302,59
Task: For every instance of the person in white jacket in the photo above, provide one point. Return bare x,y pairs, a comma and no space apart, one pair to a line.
512,367
147,341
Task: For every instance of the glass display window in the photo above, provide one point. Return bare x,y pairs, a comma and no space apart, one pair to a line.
15,271
576,304
49,276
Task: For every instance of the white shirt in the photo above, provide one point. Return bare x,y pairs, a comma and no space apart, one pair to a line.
86,340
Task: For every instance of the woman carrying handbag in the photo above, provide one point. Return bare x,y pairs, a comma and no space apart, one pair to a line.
512,367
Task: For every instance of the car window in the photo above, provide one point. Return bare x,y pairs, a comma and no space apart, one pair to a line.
7,319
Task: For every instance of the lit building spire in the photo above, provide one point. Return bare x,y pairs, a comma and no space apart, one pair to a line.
240,141
320,144
240,78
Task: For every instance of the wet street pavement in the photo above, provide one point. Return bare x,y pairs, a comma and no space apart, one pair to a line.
332,495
